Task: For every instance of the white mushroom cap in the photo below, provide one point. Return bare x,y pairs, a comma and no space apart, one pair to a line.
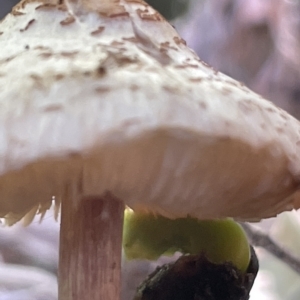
109,98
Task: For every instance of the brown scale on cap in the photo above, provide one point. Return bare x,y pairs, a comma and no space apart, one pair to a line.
149,16
30,23
57,4
108,8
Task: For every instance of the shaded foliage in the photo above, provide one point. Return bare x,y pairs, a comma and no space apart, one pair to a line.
170,9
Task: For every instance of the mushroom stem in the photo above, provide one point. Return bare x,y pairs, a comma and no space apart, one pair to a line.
90,248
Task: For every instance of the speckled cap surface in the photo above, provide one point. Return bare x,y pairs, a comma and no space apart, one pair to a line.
100,96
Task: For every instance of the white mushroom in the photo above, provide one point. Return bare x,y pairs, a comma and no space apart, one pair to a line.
102,104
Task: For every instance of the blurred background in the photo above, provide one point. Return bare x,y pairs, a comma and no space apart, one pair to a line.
254,41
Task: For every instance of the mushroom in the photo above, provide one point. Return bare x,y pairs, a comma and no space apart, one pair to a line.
103,105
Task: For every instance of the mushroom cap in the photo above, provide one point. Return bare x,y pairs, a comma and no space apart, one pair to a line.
105,96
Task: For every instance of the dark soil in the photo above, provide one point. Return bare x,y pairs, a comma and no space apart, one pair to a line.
193,277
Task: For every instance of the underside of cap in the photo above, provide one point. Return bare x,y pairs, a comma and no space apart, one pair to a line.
93,101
